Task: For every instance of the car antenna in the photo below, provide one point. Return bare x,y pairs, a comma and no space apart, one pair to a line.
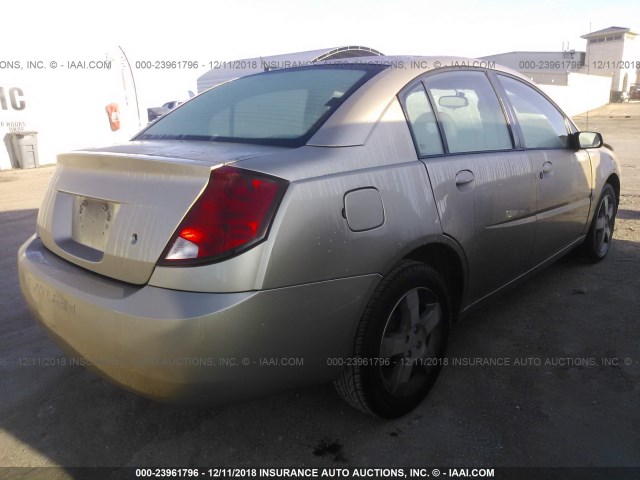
264,65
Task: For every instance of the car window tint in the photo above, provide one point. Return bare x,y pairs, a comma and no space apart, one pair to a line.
422,122
274,114
542,125
469,111
281,107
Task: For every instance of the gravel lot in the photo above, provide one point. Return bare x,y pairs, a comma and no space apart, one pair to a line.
553,411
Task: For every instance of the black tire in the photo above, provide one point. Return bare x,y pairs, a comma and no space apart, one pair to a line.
398,355
598,241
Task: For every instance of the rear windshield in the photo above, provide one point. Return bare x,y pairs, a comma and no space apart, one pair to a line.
281,107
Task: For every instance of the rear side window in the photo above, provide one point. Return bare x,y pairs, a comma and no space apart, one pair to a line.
469,111
422,122
281,107
542,125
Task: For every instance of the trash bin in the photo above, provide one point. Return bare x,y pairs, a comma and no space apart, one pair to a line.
25,149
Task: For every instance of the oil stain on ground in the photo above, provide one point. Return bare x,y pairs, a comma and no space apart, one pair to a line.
327,447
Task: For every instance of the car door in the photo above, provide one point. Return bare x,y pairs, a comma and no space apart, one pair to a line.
563,174
483,187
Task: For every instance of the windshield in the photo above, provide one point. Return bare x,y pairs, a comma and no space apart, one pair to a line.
281,107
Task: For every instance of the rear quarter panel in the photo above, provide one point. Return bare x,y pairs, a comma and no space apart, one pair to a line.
311,240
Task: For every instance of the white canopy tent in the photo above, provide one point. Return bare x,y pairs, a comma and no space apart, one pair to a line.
225,71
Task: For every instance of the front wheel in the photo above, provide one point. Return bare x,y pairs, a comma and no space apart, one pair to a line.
600,236
400,343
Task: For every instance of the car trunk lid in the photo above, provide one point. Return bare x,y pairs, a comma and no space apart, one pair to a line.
113,210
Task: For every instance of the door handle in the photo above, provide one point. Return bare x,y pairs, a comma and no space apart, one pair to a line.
464,179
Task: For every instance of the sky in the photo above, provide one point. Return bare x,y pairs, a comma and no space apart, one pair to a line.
217,31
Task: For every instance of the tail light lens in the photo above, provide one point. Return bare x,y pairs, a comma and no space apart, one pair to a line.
233,213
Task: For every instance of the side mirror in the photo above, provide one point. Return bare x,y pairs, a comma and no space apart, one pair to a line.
588,140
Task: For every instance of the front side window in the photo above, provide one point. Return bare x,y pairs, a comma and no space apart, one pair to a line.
422,122
281,107
542,125
469,111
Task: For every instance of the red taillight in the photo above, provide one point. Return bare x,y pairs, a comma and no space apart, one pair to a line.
233,213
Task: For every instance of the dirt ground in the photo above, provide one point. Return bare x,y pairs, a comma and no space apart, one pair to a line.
573,399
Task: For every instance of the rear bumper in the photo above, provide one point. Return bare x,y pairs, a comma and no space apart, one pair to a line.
193,347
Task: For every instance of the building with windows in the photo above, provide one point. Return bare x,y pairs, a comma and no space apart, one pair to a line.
614,52
581,80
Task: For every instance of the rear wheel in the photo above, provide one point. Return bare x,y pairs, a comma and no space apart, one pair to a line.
400,342
600,236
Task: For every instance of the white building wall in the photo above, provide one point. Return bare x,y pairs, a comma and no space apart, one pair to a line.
581,94
548,78
630,61
66,107
540,62
542,67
